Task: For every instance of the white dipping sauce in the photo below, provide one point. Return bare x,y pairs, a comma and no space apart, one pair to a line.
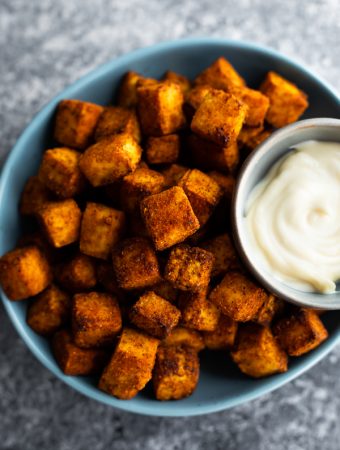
293,217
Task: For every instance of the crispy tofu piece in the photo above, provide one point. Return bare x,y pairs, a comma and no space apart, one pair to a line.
101,228
176,372
194,98
181,80
198,312
96,319
135,264
257,353
160,108
189,268
250,139
59,171
137,185
300,332
33,196
220,75
49,311
131,364
225,182
219,118
169,217
74,360
116,119
39,240
166,290
75,123
238,297
163,149
154,315
287,101
60,221
127,91
181,336
256,102
107,279
78,274
110,159
271,308
24,272
223,337
173,174
224,253
203,192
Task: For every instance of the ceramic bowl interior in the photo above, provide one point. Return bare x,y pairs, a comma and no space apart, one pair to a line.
221,385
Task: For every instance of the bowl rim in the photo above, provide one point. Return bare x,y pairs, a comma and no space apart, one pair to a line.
157,408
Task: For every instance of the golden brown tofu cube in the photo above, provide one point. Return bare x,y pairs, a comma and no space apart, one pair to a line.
137,185
181,80
257,353
169,217
59,171
96,319
39,240
181,336
60,221
176,372
271,308
250,138
238,297
166,290
131,365
74,360
203,193
220,75
173,174
49,311
101,228
154,315
219,118
110,159
189,268
78,274
257,103
33,196
127,91
135,264
301,332
223,337
225,182
287,101
75,123
163,149
194,98
224,252
116,119
24,272
160,108
198,312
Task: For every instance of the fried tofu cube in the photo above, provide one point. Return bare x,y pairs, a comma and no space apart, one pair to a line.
160,108
271,308
194,98
131,364
96,319
116,119
137,185
224,253
181,80
127,91
219,118
223,337
203,193
135,264
24,272
110,159
166,290
220,75
59,171
101,228
198,312
238,297
225,182
74,360
173,174
287,101
33,196
189,268
75,123
49,311
154,315
181,336
176,372
301,332
256,102
78,274
60,221
251,139
169,217
257,353
163,149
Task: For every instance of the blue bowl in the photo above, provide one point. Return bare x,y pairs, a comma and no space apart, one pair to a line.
221,385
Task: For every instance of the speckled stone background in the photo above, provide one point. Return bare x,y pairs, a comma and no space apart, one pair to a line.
45,45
